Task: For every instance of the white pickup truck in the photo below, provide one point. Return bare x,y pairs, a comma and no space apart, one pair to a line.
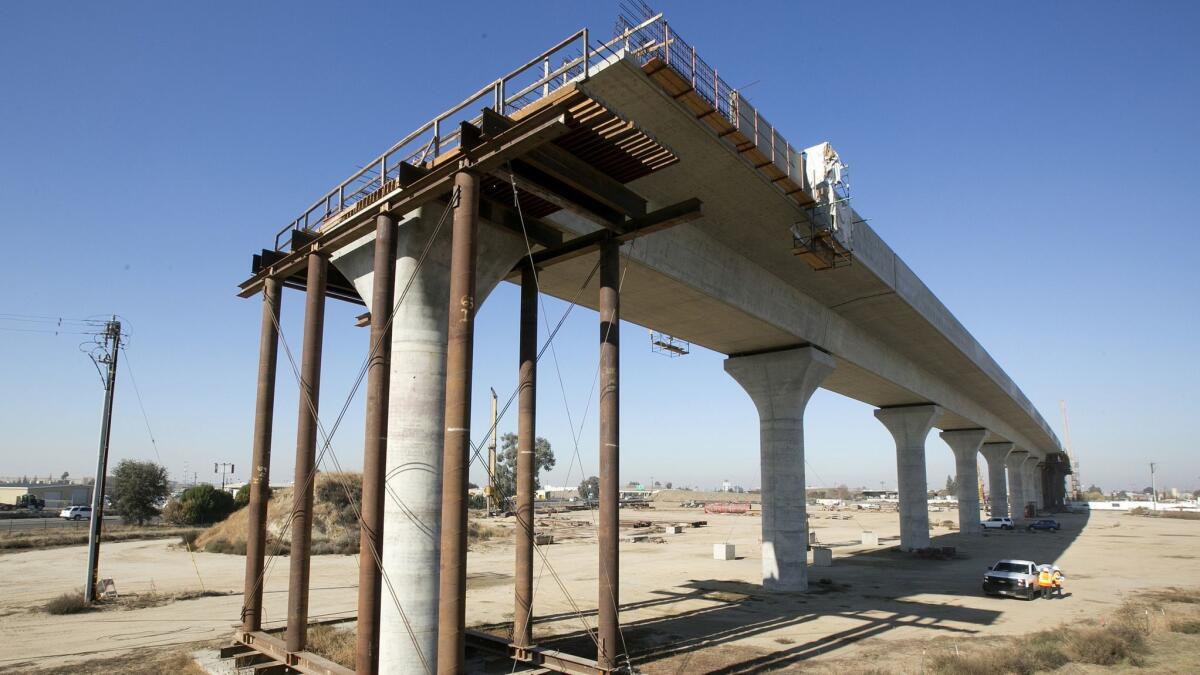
1012,577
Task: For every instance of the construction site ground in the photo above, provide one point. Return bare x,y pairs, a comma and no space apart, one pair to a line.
682,610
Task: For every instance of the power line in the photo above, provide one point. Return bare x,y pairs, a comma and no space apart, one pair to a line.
138,394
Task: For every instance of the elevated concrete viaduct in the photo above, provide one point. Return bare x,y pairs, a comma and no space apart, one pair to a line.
634,160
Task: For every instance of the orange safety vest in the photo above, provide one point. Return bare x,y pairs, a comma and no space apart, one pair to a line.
1045,579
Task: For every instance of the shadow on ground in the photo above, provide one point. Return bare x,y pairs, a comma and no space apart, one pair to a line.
864,593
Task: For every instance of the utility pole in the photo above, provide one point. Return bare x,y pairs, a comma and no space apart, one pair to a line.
108,356
492,493
220,468
1153,488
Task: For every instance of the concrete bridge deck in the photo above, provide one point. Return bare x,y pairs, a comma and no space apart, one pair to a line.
729,282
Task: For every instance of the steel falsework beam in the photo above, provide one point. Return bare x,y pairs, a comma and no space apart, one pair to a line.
375,448
451,645
608,643
260,460
306,445
526,459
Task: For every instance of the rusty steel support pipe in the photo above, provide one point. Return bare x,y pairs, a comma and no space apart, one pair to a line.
608,645
306,446
260,460
526,460
370,540
452,591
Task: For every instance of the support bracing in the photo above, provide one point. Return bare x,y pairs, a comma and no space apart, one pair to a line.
375,448
260,460
526,460
608,644
306,444
456,447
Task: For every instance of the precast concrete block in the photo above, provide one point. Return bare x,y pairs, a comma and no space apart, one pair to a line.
822,556
724,552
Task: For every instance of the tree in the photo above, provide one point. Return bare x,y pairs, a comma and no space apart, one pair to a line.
590,488
137,489
668,485
506,464
951,485
199,505
65,475
843,492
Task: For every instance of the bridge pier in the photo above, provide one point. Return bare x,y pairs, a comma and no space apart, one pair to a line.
965,444
415,431
780,384
1016,482
910,426
995,453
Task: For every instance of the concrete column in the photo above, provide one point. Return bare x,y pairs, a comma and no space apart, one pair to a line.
416,409
965,444
1033,482
995,454
1016,482
780,384
909,426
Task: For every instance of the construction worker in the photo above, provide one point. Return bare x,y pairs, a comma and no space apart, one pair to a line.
1057,578
1045,580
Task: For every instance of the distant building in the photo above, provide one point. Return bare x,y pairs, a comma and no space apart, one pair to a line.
56,495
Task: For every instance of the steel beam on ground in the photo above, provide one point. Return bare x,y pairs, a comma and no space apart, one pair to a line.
608,645
455,454
260,460
526,459
375,448
306,445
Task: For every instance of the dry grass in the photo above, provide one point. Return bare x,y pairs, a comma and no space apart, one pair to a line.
71,537
1179,515
1131,636
68,603
336,644
479,532
155,661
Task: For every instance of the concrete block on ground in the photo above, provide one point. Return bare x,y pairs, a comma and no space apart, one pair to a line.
543,539
822,556
870,538
674,529
723,552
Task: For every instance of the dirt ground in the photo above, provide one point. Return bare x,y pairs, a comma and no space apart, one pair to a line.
682,611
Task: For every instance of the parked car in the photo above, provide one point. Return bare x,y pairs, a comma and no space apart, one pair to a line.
1017,578
998,524
76,513
1043,524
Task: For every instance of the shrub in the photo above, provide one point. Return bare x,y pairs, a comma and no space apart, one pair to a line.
1189,626
188,538
200,505
333,643
68,603
242,498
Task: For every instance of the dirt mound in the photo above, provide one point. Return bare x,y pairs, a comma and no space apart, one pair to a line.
335,525
680,496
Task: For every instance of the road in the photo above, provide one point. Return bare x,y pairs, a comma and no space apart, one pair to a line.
47,523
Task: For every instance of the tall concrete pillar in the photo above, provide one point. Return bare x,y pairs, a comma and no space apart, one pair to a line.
995,453
780,384
965,444
415,430
909,426
1016,482
1033,482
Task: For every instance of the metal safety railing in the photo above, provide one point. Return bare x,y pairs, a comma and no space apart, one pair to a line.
647,35
572,59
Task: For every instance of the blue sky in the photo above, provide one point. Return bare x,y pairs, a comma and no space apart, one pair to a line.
1032,162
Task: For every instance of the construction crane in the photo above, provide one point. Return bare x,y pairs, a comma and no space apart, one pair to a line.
1076,493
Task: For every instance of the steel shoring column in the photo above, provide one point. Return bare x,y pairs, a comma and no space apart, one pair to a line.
375,450
260,461
306,445
995,453
455,451
608,643
526,460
